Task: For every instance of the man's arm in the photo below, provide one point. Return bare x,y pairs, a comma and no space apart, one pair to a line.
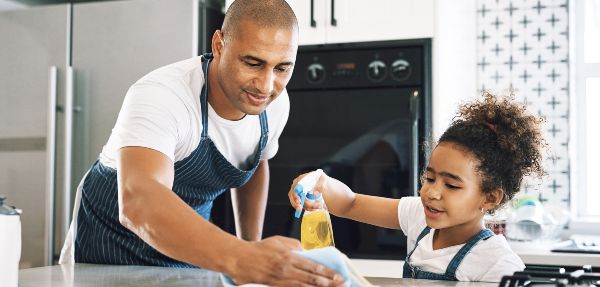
149,208
249,203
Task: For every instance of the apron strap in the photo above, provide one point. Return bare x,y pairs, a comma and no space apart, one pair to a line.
206,58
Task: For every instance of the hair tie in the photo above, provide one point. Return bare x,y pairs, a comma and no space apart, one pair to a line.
490,126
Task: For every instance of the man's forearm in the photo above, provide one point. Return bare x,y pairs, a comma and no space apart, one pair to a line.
170,226
249,204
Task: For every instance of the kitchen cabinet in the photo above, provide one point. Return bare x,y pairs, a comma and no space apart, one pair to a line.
339,21
343,21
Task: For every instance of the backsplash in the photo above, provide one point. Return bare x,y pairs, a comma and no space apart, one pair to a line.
524,46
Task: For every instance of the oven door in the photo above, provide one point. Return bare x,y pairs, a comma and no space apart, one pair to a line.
366,138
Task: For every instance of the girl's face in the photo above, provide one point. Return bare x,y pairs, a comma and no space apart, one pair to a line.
451,191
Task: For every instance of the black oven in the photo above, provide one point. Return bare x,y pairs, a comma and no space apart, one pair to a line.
359,111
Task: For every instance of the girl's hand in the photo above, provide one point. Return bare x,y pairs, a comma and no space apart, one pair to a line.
308,204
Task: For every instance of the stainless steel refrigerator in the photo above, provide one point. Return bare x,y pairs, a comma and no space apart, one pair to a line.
64,70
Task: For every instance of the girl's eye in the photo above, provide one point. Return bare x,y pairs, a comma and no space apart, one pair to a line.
429,179
450,186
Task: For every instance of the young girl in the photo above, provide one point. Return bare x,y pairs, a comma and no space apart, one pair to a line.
476,167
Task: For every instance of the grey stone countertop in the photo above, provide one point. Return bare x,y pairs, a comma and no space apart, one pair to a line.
88,275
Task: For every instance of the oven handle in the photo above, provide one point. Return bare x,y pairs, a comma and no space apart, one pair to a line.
414,113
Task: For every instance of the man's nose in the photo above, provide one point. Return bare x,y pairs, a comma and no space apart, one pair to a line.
265,82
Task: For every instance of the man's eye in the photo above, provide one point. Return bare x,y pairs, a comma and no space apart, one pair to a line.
252,64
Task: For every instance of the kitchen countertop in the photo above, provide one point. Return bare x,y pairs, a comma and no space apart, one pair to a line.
532,253
92,275
539,253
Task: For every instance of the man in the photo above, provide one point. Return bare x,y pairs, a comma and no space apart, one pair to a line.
186,133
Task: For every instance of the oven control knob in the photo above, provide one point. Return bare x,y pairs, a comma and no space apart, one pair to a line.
400,69
376,71
315,73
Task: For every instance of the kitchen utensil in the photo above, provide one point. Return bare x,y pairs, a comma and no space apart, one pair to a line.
10,244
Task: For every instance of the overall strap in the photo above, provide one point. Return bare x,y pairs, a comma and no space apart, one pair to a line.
460,255
423,233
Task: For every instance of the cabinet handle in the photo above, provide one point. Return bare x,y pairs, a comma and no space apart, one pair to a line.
50,166
313,23
333,20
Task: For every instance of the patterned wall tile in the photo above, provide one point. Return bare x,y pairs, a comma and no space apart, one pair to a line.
523,45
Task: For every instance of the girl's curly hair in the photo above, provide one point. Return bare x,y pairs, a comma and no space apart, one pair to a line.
504,138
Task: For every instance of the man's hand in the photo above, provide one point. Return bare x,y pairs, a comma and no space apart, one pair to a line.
272,261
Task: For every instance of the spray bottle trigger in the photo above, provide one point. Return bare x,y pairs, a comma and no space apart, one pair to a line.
299,190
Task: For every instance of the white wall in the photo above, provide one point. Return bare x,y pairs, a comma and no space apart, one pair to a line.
454,59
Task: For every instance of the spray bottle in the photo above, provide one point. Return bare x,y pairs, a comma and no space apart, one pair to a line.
315,230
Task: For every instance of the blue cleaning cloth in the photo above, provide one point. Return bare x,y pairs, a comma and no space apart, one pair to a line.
330,257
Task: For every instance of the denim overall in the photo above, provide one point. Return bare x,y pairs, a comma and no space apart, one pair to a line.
415,272
198,180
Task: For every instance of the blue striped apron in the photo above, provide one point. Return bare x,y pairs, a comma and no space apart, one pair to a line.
199,179
410,271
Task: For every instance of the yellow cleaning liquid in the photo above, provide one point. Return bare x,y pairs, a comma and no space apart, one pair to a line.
316,231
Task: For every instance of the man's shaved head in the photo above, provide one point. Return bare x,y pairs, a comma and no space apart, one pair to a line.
265,13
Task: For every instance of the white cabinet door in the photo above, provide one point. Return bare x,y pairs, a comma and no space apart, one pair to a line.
312,17
312,20
375,20
339,21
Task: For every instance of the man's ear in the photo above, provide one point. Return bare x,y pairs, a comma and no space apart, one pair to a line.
217,43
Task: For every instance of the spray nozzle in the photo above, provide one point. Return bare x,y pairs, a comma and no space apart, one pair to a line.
299,190
304,188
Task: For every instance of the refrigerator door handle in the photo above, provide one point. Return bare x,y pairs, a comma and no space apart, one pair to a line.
68,150
50,164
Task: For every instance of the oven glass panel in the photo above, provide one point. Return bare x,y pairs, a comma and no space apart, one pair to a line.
361,137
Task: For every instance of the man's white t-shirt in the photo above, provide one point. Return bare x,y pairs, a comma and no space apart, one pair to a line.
488,261
162,111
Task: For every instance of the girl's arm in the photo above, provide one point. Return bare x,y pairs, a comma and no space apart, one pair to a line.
343,202
374,210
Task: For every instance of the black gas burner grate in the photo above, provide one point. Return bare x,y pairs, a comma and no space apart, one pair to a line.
552,276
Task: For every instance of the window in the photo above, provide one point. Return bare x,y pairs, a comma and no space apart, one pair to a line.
585,59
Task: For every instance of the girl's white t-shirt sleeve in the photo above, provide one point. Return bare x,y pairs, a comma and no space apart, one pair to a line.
410,216
152,116
505,265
